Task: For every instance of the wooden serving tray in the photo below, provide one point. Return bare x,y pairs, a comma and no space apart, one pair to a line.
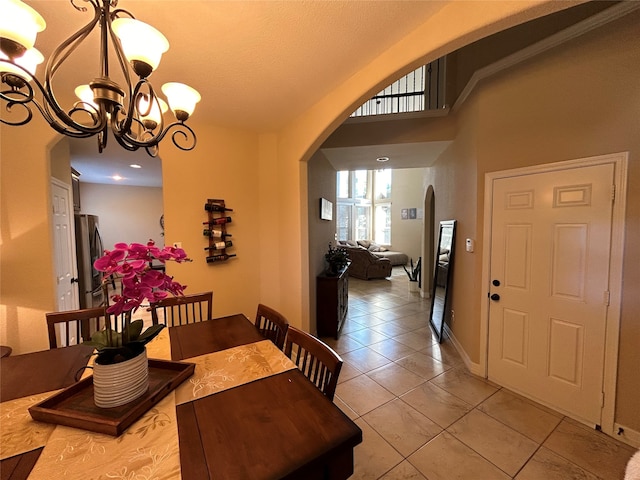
74,405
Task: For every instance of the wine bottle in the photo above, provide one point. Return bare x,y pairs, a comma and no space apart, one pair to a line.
214,207
219,258
215,233
218,221
220,245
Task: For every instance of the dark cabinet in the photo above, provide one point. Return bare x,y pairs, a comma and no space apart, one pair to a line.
332,302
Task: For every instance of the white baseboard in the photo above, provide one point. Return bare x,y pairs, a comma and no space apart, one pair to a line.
626,435
473,367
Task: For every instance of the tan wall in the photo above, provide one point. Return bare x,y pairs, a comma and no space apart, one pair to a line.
126,214
407,192
322,183
26,272
224,165
579,100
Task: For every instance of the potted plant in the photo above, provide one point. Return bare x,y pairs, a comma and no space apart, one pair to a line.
121,360
337,259
414,275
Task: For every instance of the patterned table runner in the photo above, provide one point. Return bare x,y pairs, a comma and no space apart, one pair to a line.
149,448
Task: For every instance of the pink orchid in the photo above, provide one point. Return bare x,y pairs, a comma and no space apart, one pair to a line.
139,281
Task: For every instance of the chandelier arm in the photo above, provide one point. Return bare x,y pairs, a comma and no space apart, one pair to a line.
117,46
55,114
181,130
18,96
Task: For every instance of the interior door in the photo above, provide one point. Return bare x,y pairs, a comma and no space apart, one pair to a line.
64,248
550,256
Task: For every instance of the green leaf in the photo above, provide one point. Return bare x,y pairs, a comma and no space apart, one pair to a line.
134,329
150,333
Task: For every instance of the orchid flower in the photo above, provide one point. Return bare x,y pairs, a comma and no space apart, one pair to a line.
131,263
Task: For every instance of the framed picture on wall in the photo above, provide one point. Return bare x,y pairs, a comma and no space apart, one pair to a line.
326,209
412,213
404,213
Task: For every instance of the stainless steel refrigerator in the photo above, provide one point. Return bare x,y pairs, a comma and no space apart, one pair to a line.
88,248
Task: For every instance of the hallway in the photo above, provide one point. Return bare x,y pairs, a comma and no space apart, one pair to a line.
424,416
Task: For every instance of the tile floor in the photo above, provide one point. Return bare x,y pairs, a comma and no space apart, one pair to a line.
424,416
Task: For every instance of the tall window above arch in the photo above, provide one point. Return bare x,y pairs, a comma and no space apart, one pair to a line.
364,205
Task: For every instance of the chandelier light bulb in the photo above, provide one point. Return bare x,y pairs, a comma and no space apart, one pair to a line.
182,99
143,45
29,61
85,94
151,117
19,26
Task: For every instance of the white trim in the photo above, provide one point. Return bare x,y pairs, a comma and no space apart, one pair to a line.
628,435
471,366
620,162
610,14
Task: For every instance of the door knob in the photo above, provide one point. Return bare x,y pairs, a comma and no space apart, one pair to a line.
495,297
496,283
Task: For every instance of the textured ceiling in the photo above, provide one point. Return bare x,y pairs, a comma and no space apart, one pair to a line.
257,64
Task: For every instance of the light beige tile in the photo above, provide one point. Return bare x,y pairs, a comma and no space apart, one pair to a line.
445,352
345,343
365,359
362,394
501,445
395,378
416,339
462,384
348,411
390,329
521,415
548,466
391,349
422,364
347,372
436,404
374,456
402,426
446,458
404,471
367,336
592,450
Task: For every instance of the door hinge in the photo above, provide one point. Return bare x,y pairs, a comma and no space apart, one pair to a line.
601,399
613,192
607,298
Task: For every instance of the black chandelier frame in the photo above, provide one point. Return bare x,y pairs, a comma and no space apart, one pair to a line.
125,121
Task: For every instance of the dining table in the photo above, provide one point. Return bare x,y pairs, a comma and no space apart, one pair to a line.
278,426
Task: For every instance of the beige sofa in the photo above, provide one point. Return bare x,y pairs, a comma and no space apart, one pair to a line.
396,258
366,265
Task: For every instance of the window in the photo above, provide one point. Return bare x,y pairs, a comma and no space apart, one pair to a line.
364,205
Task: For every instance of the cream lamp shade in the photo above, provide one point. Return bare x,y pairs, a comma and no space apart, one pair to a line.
20,23
182,99
140,41
85,94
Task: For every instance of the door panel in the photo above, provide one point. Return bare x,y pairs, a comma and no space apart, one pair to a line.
550,252
64,248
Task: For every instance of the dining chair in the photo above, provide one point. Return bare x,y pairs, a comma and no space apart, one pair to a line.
74,326
317,360
181,310
272,325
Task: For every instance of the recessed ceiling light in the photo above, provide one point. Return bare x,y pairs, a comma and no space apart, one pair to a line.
382,159
135,165
117,178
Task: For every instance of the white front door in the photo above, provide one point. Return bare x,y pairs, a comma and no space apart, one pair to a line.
64,248
550,255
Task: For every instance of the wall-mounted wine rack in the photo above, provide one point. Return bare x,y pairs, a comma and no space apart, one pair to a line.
215,228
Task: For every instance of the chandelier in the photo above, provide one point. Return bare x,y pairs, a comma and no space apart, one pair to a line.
133,111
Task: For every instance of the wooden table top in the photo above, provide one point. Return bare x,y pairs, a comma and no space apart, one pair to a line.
277,427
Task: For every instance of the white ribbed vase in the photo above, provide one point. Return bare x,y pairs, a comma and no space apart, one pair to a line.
120,383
